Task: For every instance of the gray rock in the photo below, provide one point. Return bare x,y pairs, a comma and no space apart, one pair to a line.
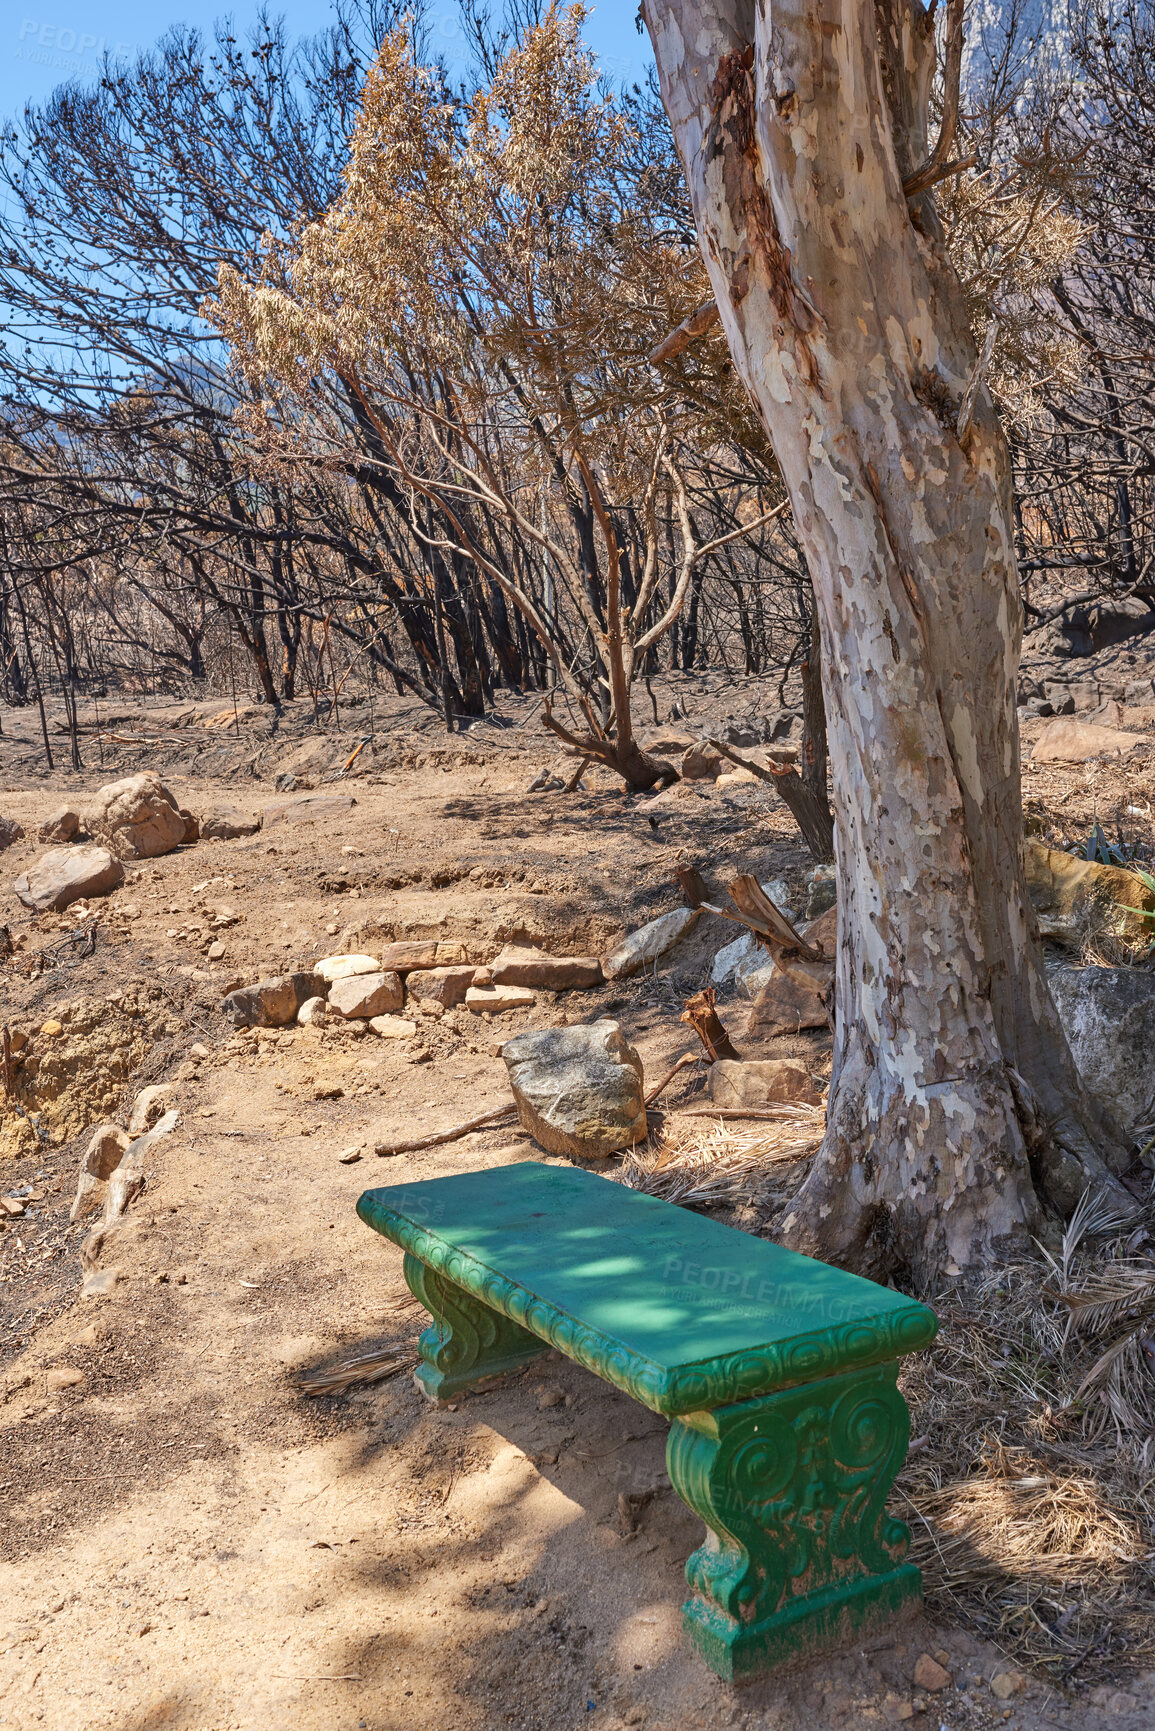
579,1090
64,874
138,818
522,965
60,827
226,823
272,1003
1108,1015
306,808
365,995
648,943
10,831
732,955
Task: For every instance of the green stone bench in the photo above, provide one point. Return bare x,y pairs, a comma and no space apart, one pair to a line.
779,1374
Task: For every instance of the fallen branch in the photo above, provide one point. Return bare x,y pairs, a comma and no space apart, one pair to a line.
656,1093
385,1149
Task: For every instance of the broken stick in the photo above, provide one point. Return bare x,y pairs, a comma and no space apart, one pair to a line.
385,1149
706,1023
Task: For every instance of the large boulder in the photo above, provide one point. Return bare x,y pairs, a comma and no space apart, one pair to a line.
64,874
579,1090
1108,1015
10,831
1070,895
648,943
226,823
522,965
761,1082
138,818
272,1003
365,995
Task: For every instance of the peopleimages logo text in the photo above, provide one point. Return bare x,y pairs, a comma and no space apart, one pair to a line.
63,39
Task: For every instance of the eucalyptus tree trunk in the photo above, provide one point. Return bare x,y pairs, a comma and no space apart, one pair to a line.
954,1102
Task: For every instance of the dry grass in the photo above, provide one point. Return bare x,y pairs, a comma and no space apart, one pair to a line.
1030,1486
705,1163
1031,1502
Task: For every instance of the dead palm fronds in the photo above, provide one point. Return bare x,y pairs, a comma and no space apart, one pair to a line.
369,1367
704,1163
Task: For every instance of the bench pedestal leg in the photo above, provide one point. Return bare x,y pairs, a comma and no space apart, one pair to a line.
467,1342
800,1553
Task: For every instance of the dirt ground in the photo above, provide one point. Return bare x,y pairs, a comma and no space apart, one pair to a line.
189,1541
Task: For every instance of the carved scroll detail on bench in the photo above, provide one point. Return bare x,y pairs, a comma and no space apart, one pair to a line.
792,1488
467,1341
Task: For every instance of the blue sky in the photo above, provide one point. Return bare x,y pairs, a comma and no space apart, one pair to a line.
47,42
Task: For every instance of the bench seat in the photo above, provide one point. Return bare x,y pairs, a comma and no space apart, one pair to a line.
779,1374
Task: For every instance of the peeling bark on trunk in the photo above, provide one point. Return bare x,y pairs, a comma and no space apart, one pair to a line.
954,1098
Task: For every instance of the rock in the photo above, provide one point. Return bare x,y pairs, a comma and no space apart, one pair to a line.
495,1000
312,1010
139,818
306,808
731,955
349,1156
930,1675
519,965
703,762
106,1148
66,1376
1108,1016
64,874
272,1003
10,831
346,967
226,823
60,827
1004,1684
787,1001
666,742
451,954
364,995
649,942
1070,895
1066,741
761,1082
579,1090
148,1108
401,957
215,951
444,986
393,1027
